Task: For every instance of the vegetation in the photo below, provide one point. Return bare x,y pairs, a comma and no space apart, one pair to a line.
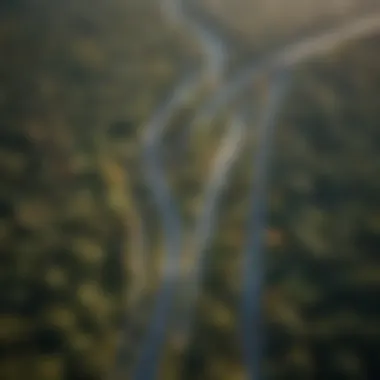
78,79
322,240
81,242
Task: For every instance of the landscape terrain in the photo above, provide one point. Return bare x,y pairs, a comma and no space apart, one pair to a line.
150,152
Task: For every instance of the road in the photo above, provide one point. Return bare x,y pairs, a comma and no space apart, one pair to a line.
214,51
227,90
253,265
300,50
286,57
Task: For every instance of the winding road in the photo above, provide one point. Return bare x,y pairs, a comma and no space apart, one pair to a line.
148,363
227,90
284,58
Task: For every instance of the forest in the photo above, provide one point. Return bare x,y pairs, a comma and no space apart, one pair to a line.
83,239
